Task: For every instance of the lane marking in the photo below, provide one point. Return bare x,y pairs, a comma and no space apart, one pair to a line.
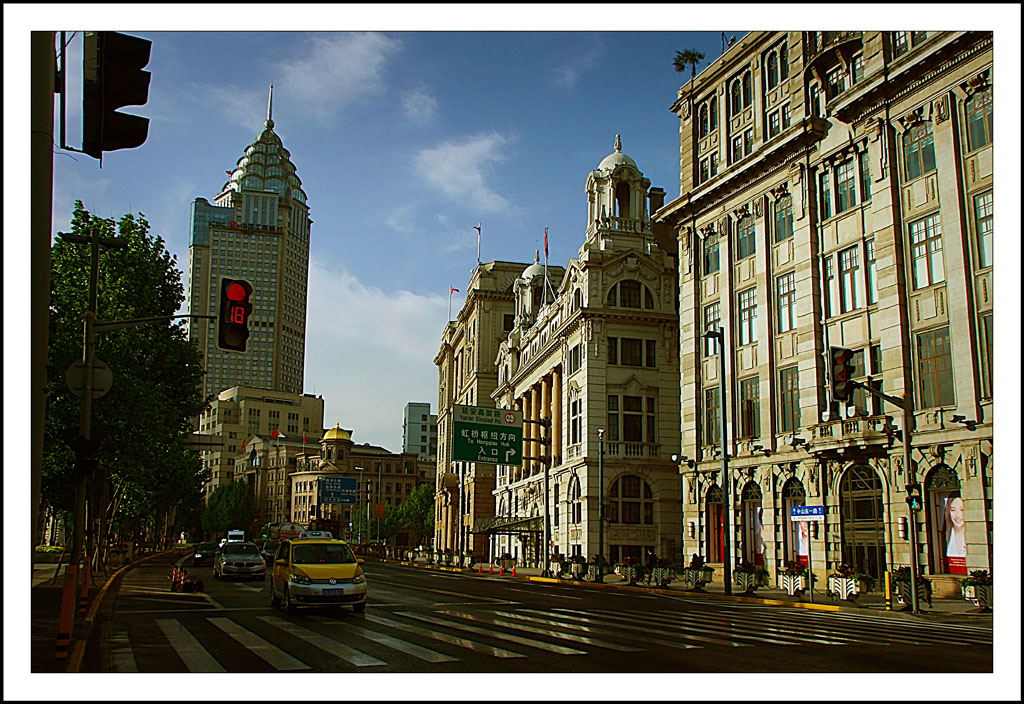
561,650
645,631
192,653
271,654
445,638
557,634
400,645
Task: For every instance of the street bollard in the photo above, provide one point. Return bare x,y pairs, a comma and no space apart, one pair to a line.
888,591
67,613
83,595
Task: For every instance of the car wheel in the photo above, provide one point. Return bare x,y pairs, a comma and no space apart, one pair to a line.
289,605
359,608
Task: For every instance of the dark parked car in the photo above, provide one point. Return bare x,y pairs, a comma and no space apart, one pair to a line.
203,554
269,550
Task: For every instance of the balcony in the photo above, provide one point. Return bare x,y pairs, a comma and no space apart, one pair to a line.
869,434
817,42
630,450
618,225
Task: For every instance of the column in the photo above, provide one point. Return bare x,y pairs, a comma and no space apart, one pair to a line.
535,452
556,414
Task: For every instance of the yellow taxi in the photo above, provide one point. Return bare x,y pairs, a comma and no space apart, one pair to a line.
317,572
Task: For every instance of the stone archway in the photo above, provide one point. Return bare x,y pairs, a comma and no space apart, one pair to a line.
862,519
753,524
713,525
794,533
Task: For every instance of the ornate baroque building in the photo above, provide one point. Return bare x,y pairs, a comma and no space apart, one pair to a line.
836,191
467,376
593,357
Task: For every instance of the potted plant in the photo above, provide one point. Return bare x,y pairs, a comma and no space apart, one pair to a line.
629,569
662,573
793,578
697,574
977,587
577,567
901,579
597,568
749,577
557,564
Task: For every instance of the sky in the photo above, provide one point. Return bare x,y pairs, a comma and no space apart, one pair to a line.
408,126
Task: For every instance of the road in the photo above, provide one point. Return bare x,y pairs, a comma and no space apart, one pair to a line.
420,620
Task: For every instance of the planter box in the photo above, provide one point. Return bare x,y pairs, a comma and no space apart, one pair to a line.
844,587
629,573
577,570
980,594
594,572
749,581
904,596
793,583
661,576
696,578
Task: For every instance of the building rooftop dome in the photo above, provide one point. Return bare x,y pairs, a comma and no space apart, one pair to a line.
535,269
337,433
616,158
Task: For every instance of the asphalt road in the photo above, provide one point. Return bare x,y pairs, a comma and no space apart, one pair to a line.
420,620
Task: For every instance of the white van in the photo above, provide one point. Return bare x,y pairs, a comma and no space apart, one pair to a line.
236,536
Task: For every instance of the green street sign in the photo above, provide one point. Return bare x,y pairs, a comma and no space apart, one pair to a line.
487,435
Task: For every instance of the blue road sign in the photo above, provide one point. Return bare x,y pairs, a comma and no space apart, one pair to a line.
337,490
807,513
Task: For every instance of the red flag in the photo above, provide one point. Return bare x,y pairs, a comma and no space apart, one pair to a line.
243,443
277,434
545,244
454,290
477,228
229,172
303,437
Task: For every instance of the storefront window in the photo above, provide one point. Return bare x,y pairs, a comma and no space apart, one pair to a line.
753,524
947,529
796,544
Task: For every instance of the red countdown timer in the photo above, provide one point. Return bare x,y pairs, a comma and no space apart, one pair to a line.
233,328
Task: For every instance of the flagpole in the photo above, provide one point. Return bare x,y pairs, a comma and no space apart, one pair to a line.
478,226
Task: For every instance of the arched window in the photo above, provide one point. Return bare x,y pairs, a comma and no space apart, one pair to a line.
630,294
748,89
919,150
703,120
784,61
713,525
713,113
772,69
862,517
735,98
630,501
753,524
795,543
979,119
577,299
575,502
746,241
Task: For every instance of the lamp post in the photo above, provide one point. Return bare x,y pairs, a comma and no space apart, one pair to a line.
719,335
600,497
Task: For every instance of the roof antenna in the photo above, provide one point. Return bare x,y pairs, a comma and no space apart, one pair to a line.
270,108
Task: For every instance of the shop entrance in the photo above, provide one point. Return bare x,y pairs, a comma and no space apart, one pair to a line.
794,532
713,525
862,520
753,524
946,527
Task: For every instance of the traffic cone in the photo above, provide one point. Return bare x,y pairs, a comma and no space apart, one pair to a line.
501,571
513,570
490,568
480,568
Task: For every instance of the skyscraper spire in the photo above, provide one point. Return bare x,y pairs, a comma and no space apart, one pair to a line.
270,108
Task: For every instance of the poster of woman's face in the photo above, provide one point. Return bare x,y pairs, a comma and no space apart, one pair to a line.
956,528
803,533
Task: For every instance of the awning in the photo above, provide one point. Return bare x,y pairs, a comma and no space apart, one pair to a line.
509,525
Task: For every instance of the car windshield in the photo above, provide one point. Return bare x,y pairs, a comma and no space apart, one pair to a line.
322,553
270,546
206,547
240,549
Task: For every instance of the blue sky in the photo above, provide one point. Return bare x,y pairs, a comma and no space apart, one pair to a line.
403,141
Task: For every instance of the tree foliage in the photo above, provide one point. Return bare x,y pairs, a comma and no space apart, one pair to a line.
140,425
688,57
230,506
415,515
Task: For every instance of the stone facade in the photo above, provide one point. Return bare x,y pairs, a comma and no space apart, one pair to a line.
836,192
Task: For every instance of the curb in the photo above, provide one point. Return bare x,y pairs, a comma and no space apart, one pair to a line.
78,649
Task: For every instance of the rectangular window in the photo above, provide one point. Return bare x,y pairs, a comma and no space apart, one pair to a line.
871,271
737,148
714,164
986,356
712,424
836,82
826,195
857,69
613,350
849,279
785,296
613,418
632,419
575,428
748,142
748,316
710,258
983,227
864,160
919,150
631,352
712,321
829,286
846,186
750,407
746,240
650,424
783,218
789,400
786,116
900,43
935,368
705,170
649,353
979,119
926,246
774,124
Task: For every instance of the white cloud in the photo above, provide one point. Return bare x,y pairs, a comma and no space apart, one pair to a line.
337,70
458,169
375,351
419,105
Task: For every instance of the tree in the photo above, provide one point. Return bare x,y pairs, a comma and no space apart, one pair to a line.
230,506
689,57
145,478
417,513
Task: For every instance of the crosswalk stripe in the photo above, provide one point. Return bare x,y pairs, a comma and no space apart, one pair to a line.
273,655
340,650
717,624
191,652
843,632
577,638
561,650
634,624
445,638
399,645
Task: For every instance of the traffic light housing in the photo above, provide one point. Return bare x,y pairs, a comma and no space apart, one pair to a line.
914,499
233,321
843,370
113,78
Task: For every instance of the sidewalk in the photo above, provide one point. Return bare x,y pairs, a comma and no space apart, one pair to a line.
47,594
873,603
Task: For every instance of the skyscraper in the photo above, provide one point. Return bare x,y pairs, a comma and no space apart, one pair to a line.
257,229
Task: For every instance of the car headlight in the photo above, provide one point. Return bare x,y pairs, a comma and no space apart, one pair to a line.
197,555
359,579
299,579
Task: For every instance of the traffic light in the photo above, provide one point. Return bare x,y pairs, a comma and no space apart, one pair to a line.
914,498
842,373
233,321
113,78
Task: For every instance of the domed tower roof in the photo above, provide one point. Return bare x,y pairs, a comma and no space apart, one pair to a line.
617,158
534,270
266,165
337,433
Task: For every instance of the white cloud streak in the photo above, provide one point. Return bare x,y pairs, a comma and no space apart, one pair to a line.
459,168
379,347
419,106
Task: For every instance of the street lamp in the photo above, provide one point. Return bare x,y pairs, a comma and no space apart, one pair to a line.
600,498
719,335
